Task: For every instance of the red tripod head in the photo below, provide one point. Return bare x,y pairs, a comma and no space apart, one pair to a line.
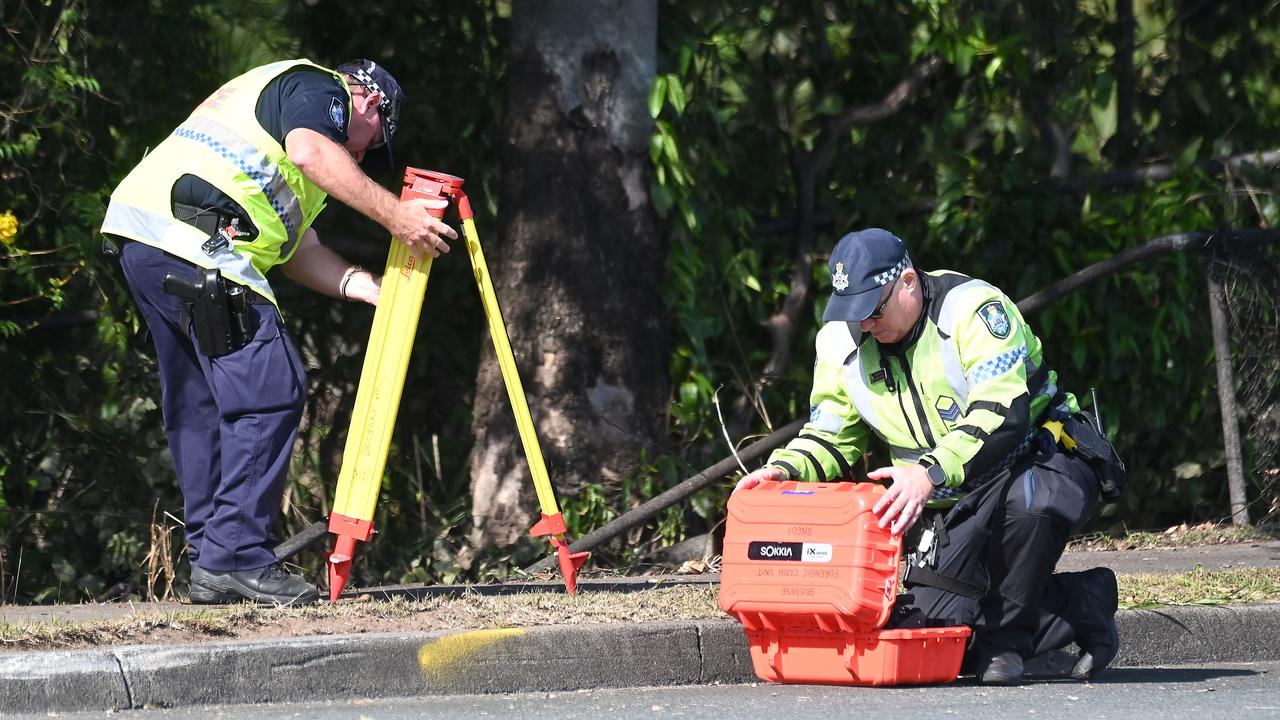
429,183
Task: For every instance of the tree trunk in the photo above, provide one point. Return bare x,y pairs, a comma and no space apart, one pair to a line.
1126,123
577,262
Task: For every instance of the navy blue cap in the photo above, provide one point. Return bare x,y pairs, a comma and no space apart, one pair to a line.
376,78
862,263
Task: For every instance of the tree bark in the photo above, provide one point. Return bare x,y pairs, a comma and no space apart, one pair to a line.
577,262
1126,124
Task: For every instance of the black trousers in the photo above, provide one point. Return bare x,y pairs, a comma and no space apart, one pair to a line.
1007,537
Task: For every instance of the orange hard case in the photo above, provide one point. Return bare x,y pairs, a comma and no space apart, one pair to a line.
812,577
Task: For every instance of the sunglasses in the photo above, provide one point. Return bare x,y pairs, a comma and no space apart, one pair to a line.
879,311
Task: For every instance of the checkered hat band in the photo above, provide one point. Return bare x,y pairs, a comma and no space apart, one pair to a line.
367,80
892,273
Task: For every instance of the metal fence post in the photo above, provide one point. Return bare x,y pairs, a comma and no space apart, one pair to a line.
1227,400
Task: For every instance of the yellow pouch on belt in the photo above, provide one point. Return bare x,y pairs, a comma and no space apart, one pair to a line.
1060,435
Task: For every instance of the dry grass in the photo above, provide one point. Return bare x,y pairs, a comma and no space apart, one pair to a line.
1201,587
398,615
1178,536
687,602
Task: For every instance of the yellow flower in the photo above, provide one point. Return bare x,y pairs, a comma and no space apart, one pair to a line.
8,227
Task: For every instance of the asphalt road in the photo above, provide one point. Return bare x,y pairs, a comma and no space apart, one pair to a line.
1203,692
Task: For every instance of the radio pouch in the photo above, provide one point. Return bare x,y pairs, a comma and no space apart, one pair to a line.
1094,448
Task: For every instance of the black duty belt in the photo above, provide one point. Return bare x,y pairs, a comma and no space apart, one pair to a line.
212,221
206,220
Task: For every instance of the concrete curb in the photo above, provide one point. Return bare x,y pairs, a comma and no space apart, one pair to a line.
554,658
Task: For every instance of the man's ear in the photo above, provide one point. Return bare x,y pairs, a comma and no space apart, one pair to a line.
368,100
910,277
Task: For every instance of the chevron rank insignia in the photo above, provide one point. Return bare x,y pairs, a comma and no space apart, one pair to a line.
948,409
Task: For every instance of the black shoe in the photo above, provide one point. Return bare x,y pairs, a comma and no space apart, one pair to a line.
202,594
1099,648
1001,669
270,585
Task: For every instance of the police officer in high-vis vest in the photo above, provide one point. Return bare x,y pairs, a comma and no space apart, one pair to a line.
230,194
943,369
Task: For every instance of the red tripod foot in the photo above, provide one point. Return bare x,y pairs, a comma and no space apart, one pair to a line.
570,563
553,527
340,565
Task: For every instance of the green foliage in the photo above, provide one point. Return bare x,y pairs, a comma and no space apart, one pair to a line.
969,174
80,445
976,171
86,91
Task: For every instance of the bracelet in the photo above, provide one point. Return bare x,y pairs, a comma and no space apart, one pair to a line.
346,278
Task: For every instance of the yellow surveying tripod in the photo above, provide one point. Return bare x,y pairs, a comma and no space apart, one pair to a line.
395,323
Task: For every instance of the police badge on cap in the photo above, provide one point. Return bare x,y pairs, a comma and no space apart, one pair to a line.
840,279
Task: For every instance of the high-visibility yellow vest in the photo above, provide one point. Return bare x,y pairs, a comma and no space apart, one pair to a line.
965,394
223,143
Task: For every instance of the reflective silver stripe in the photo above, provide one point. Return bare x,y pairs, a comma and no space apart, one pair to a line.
273,69
1032,367
254,163
908,455
825,421
950,353
176,238
859,393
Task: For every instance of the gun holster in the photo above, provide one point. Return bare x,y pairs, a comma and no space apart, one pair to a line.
1095,449
217,310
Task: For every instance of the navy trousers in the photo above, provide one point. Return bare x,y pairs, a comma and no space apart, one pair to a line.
1007,537
231,421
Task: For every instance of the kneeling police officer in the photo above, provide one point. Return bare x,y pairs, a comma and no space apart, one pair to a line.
945,371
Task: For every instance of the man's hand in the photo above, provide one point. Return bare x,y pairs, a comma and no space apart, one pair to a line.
330,166
413,225
365,287
903,503
765,473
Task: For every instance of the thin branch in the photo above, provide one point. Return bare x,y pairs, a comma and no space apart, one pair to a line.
807,167
1163,171
1202,239
905,90
1119,178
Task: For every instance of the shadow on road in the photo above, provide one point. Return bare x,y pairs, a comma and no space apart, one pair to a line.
1133,675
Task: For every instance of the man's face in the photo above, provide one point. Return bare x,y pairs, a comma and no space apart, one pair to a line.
365,128
898,311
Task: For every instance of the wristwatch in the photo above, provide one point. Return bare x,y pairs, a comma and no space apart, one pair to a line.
937,475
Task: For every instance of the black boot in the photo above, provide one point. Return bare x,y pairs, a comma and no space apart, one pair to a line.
1099,641
1003,668
270,585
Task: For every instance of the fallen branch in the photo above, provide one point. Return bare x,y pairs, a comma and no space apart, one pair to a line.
636,516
